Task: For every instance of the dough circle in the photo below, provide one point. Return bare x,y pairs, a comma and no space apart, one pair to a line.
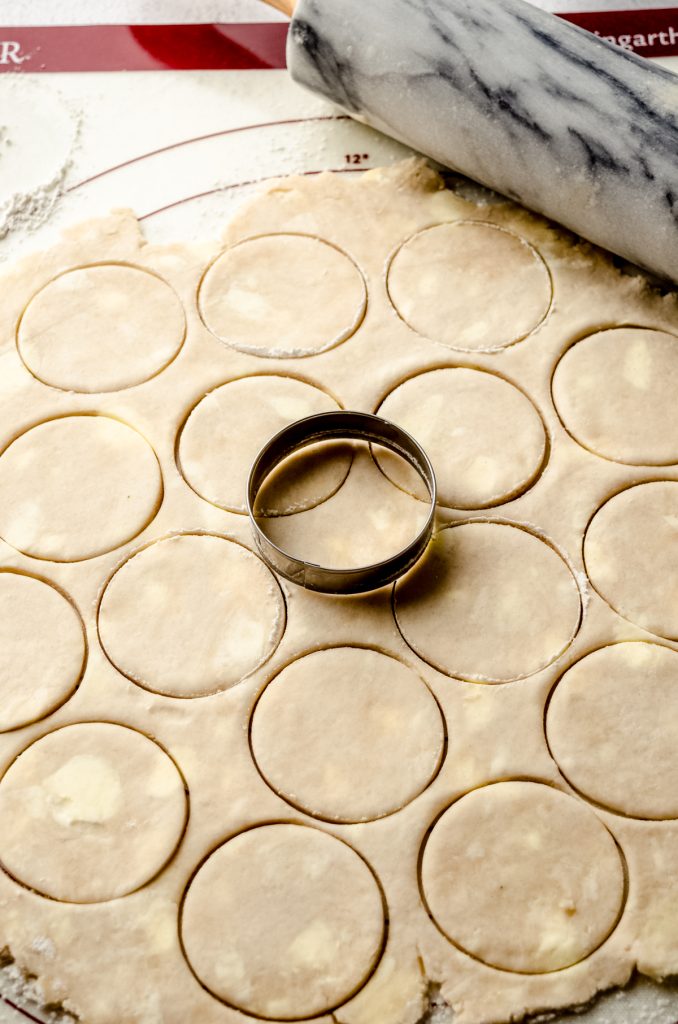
42,649
226,430
101,328
471,286
523,877
612,727
76,487
615,393
370,730
484,437
90,812
283,921
284,295
191,615
631,555
489,602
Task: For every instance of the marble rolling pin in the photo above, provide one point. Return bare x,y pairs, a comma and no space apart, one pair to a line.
544,112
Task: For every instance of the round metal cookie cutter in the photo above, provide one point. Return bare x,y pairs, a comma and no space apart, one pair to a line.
340,426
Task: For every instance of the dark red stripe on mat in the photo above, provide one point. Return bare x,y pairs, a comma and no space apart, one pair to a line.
143,47
651,33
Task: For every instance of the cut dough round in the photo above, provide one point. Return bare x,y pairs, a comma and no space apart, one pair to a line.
90,812
471,286
490,602
370,730
606,713
283,295
283,921
101,328
523,877
191,615
229,426
615,392
631,555
75,487
42,649
484,437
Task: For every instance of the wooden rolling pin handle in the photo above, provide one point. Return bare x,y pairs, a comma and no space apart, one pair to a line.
286,6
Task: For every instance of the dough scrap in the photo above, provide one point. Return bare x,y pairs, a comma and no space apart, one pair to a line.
463,283
229,426
507,603
213,610
90,812
42,649
615,391
631,554
357,716
101,328
482,860
76,487
283,922
283,295
612,721
485,439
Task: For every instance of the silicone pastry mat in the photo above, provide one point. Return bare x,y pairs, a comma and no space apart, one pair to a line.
223,797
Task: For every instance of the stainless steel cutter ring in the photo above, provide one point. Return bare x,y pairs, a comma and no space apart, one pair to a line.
340,426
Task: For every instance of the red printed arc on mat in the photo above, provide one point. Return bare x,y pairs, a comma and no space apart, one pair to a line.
245,46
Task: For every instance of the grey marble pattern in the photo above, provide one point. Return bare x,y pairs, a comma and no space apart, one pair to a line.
515,98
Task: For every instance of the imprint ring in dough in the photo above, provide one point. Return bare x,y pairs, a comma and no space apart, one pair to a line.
489,602
523,877
612,727
191,615
370,730
283,921
42,649
282,295
484,437
101,328
90,812
76,487
471,286
228,428
631,555
615,392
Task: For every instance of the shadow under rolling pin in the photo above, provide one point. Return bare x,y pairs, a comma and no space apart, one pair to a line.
540,110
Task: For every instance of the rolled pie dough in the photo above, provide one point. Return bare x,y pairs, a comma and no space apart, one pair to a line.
223,798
